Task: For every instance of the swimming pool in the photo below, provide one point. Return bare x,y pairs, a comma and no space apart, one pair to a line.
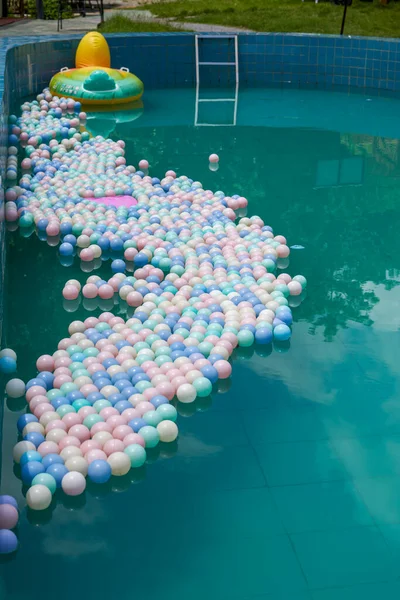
285,484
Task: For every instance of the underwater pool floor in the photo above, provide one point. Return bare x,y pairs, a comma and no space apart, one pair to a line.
286,485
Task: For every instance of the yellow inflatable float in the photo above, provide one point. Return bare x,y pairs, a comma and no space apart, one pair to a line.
93,82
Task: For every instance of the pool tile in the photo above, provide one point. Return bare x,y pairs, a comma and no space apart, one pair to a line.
368,591
280,423
370,456
267,566
300,462
382,497
208,467
343,558
320,506
222,428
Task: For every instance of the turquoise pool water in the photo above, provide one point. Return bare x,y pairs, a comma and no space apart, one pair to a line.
286,485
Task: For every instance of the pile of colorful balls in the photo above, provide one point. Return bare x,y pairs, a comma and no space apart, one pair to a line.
202,285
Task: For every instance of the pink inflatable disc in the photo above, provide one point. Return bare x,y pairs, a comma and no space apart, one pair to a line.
115,200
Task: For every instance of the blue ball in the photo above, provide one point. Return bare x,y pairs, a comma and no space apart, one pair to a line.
8,364
263,335
137,424
35,381
35,437
282,333
57,471
52,459
30,470
118,266
25,419
99,471
29,456
156,401
122,405
4,499
66,249
47,377
8,541
210,373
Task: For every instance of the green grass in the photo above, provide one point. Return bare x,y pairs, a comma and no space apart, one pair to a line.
122,24
363,18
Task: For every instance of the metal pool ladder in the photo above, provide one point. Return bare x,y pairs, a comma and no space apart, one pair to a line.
234,64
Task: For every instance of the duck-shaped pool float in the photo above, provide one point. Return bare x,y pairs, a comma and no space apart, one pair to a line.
93,82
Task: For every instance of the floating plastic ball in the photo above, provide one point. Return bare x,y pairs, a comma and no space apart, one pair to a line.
8,365
38,497
20,448
120,463
99,471
136,454
213,158
168,431
8,541
15,388
8,516
9,353
73,483
47,480
282,333
4,499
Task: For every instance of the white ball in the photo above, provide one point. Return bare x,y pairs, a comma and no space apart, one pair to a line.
101,437
69,452
38,497
33,427
119,462
8,352
20,448
73,483
15,388
168,431
56,435
77,463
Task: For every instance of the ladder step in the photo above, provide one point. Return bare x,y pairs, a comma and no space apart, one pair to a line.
232,64
214,124
216,100
204,37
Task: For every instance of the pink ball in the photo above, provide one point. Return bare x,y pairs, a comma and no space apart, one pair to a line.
52,229
90,290
115,445
56,424
129,414
70,292
165,388
144,407
115,421
35,390
109,411
45,363
85,411
101,426
223,368
294,288
95,454
90,445
71,419
36,401
43,408
134,299
134,438
106,291
49,448
81,432
8,516
69,440
213,158
86,254
121,432
143,164
282,251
